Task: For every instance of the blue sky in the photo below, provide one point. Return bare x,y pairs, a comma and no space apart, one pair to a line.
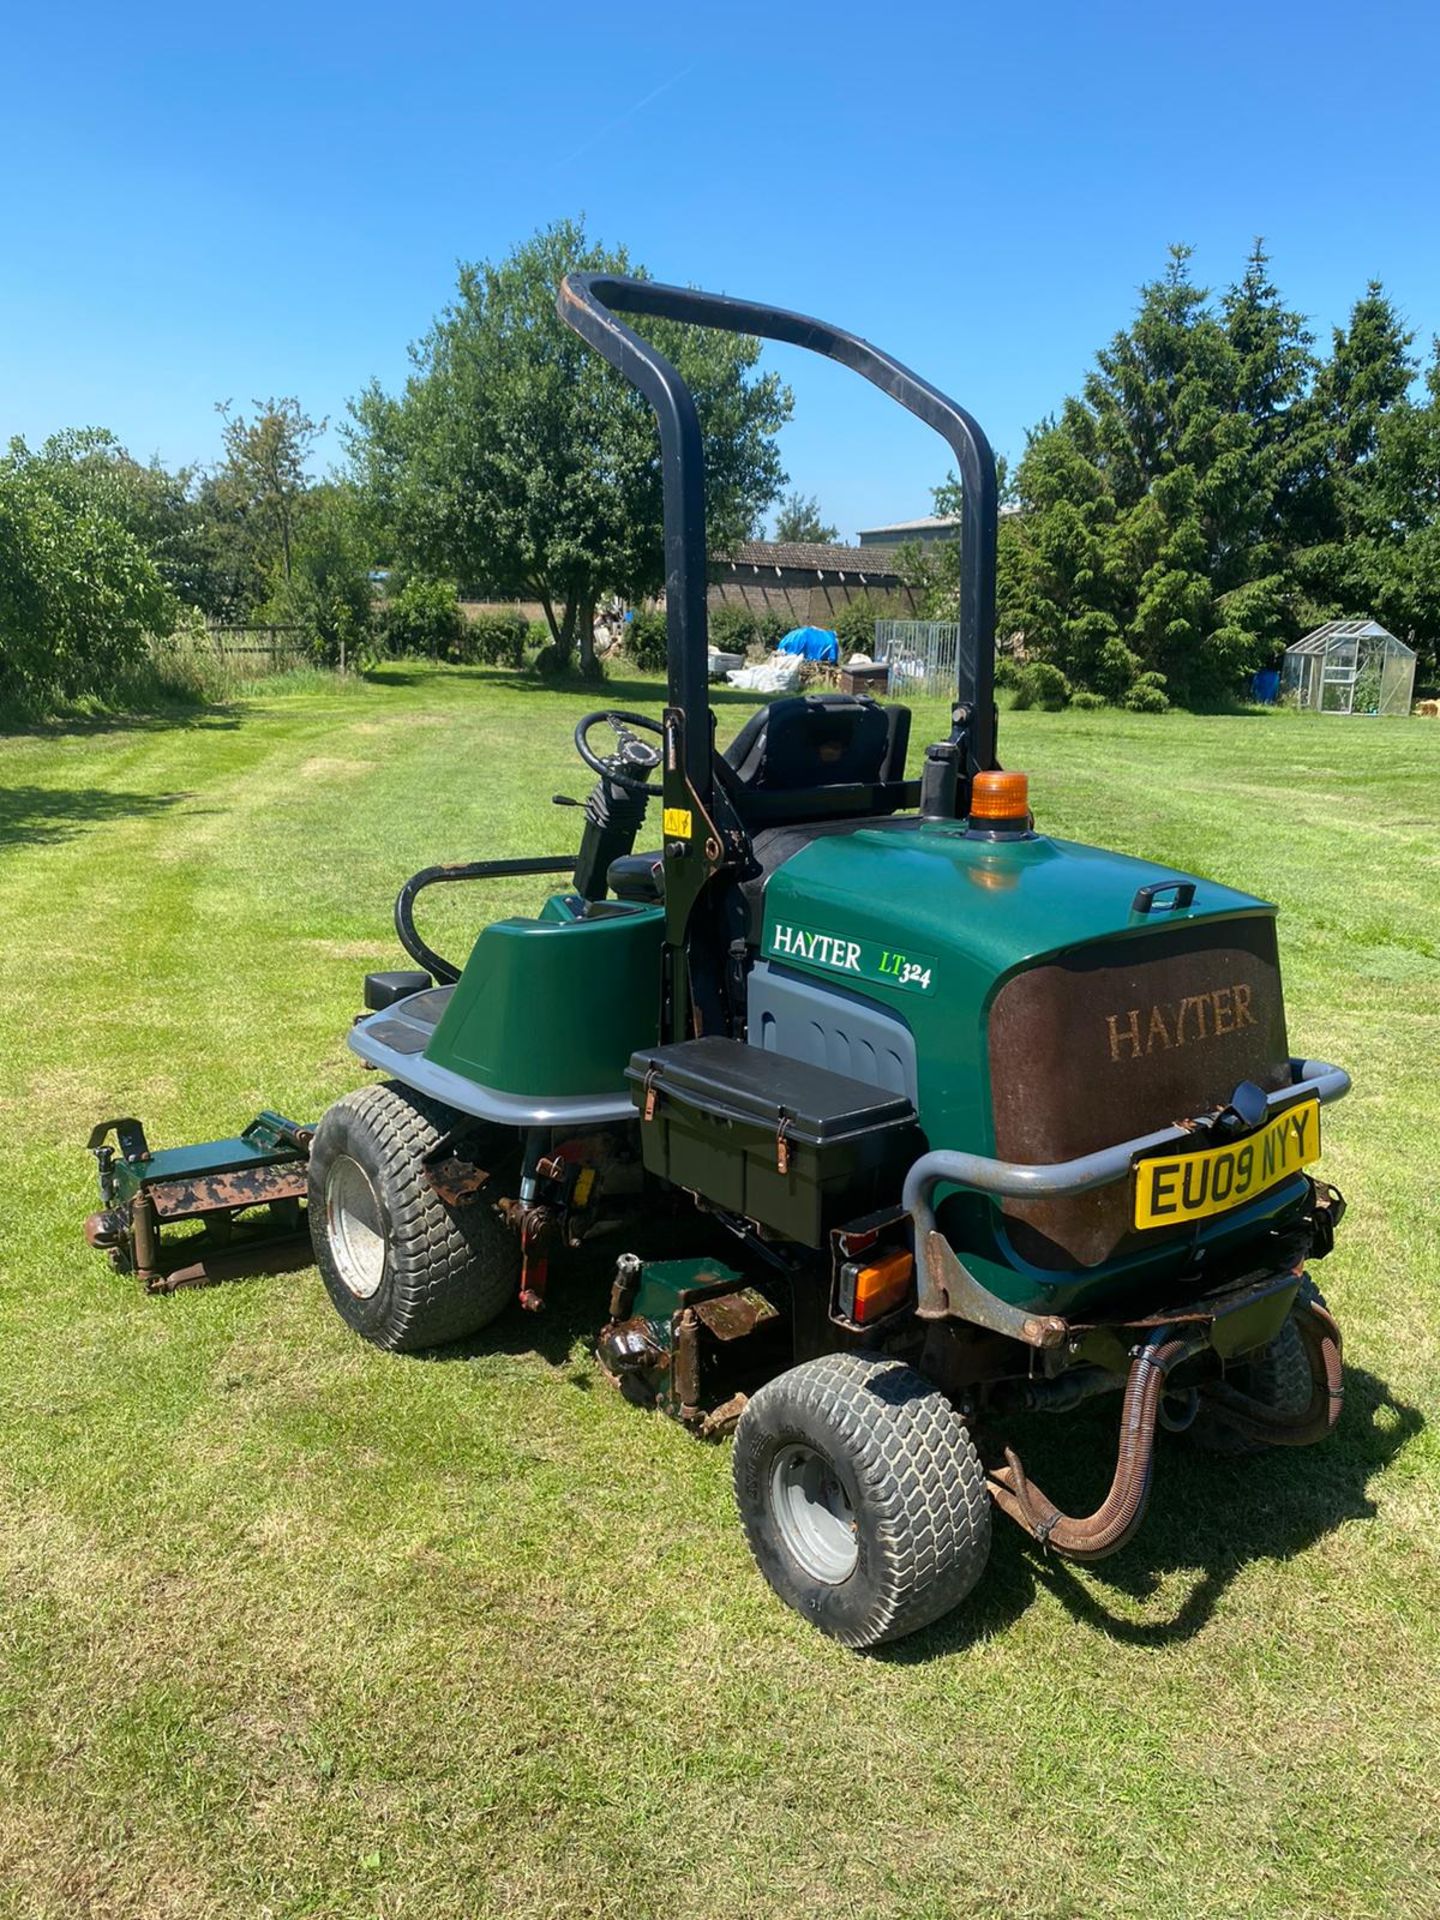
211,202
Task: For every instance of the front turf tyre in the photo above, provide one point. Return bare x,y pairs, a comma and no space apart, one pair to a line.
403,1269
862,1496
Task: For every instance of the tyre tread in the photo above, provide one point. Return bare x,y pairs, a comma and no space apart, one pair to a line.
444,1286
921,1475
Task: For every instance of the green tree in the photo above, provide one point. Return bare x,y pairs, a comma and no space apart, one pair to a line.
326,592
79,594
1160,506
1275,369
1396,560
264,473
1363,516
797,519
518,462
158,507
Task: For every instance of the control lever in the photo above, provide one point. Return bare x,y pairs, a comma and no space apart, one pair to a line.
564,800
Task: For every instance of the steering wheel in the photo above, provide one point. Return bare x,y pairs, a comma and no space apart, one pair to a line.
630,759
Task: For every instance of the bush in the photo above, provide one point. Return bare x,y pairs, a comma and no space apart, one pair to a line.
1087,702
424,617
855,627
1115,671
770,630
1148,695
326,597
79,595
645,640
1041,685
732,629
537,636
1007,670
498,639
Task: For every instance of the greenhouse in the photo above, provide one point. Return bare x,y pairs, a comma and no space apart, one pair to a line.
1349,666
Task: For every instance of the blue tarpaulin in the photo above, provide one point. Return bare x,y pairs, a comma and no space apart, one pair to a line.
811,643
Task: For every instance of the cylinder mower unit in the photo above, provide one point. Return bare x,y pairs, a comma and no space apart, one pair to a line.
956,1122
248,1194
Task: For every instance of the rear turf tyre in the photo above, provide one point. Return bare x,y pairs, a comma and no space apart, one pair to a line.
862,1496
402,1268
1278,1376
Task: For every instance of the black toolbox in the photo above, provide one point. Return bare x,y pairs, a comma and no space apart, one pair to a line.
793,1146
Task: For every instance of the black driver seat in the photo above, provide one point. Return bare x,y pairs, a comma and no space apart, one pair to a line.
798,751
808,757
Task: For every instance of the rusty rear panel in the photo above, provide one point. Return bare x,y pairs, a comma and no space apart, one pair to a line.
1117,1039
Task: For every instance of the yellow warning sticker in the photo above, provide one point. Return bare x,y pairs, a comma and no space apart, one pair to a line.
679,823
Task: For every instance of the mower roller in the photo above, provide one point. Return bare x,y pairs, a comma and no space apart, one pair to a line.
952,1121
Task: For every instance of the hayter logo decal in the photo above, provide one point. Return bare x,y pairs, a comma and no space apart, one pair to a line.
828,948
863,959
1200,1016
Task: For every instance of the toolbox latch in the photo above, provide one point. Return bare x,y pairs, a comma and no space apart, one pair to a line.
782,1145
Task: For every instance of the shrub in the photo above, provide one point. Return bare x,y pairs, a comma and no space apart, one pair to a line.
1086,701
79,595
1041,685
855,627
424,617
645,640
1148,695
498,639
537,636
732,629
1007,670
770,630
1115,669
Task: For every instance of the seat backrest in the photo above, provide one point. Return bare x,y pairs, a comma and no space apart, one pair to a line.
818,740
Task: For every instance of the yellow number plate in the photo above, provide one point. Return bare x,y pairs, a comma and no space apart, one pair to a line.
1191,1186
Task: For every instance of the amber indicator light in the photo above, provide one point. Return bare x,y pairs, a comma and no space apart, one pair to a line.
876,1287
999,796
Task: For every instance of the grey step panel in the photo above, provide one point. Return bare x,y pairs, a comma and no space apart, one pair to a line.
505,1109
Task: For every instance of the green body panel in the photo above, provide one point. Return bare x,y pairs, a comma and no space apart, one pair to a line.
930,924
555,1005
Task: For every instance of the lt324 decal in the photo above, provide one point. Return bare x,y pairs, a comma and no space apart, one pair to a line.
859,959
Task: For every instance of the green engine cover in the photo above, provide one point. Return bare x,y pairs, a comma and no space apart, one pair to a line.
932,924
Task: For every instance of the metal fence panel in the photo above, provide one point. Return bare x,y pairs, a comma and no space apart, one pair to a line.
922,655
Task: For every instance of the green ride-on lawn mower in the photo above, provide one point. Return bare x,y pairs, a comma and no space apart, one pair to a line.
965,1121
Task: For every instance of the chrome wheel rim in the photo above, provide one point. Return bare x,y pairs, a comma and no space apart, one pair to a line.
355,1226
814,1515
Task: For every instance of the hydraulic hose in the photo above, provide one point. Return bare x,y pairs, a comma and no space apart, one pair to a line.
1113,1522
1107,1529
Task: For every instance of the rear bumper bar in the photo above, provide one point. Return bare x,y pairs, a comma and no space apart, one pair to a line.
1012,1179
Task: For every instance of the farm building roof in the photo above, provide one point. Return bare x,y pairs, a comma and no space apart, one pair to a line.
934,524
808,556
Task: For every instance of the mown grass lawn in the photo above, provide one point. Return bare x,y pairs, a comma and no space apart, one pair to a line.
290,1627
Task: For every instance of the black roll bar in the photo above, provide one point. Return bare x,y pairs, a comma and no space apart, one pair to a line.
590,302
